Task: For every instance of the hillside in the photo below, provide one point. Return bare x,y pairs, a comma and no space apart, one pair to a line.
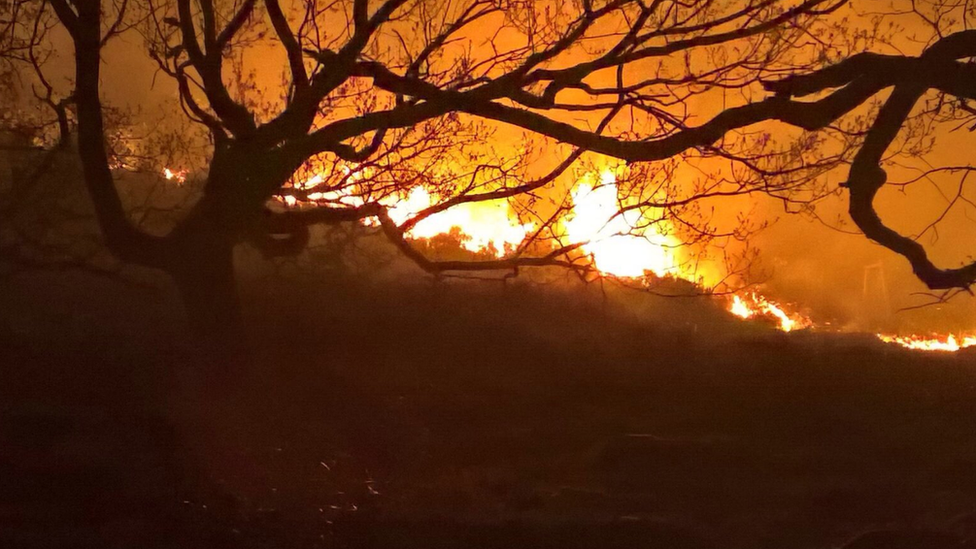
470,415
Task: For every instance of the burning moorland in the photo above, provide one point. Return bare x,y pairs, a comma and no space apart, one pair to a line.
487,273
617,245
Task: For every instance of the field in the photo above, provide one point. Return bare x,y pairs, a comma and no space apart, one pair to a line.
421,415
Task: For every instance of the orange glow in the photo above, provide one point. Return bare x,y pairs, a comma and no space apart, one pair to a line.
487,225
175,175
616,247
752,305
948,343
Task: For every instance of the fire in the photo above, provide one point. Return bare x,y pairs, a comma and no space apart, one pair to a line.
175,175
615,246
486,225
756,306
949,343
611,239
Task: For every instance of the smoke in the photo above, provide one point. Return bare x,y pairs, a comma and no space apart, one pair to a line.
853,283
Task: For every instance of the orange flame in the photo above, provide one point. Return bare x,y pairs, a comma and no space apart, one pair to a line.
487,225
756,306
611,239
615,246
175,175
949,343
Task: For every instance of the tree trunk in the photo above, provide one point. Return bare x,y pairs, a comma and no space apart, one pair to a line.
202,257
203,271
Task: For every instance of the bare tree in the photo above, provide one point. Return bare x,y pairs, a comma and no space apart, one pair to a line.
380,97
45,218
935,86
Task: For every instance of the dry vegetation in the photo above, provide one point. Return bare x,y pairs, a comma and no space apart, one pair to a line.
404,414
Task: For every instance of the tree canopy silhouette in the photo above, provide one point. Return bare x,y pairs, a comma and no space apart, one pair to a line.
378,97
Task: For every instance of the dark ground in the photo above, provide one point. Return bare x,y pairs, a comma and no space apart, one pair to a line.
467,416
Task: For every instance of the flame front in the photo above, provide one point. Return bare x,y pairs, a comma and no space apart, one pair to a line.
949,343
610,238
487,226
616,247
756,306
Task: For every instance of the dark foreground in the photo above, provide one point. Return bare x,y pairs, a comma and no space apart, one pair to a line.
433,417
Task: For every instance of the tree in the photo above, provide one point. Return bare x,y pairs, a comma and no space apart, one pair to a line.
414,90
945,67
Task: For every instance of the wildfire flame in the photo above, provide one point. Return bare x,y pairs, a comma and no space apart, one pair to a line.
948,343
610,239
175,175
752,305
487,226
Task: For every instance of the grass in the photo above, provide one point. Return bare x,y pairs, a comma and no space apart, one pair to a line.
456,415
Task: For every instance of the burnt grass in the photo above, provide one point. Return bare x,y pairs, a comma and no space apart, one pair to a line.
472,416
